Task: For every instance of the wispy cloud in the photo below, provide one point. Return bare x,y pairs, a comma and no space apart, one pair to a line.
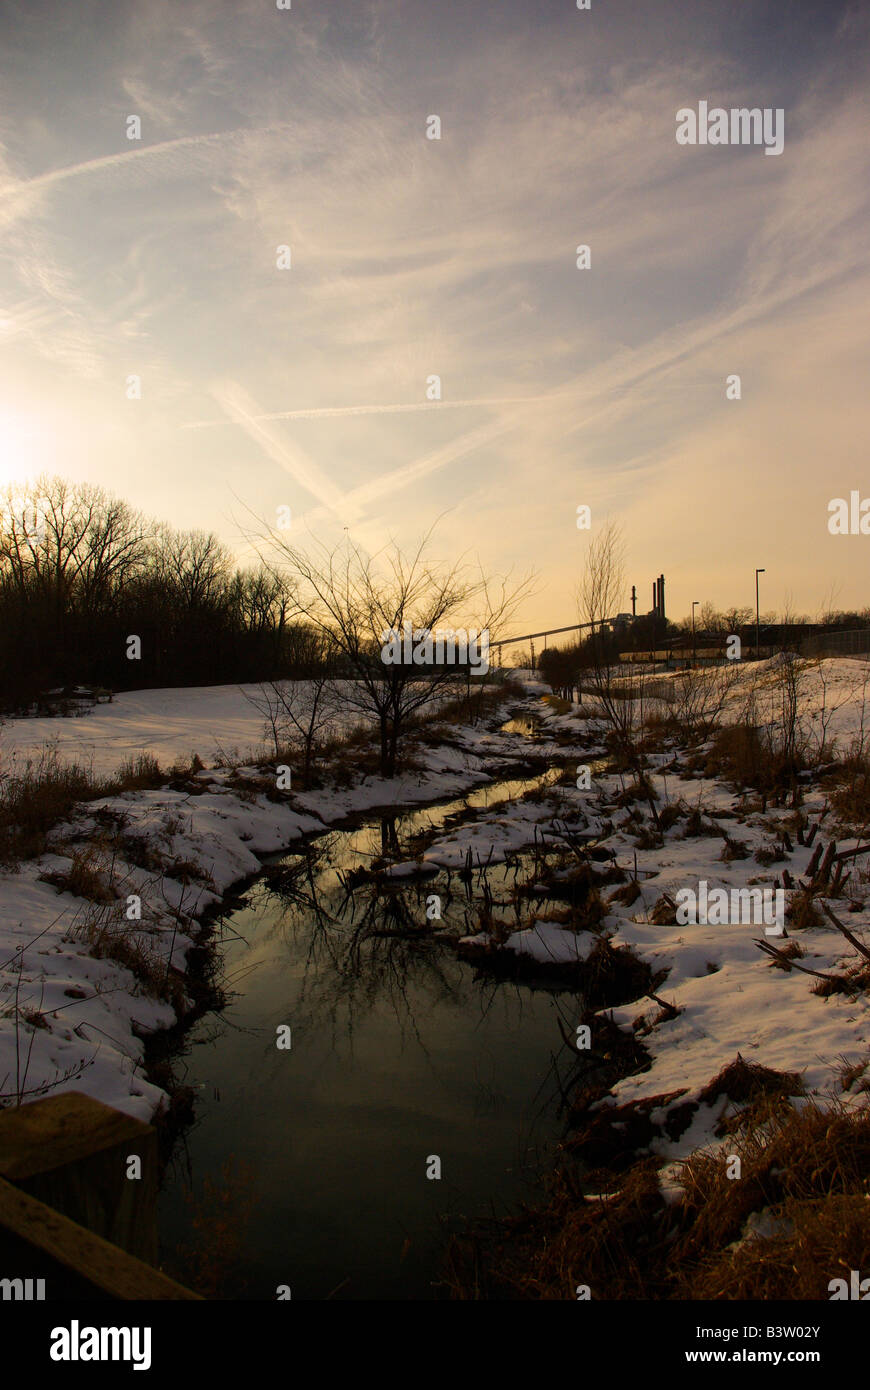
13,189
333,412
452,257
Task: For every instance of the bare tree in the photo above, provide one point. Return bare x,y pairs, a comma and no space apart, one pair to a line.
709,619
70,541
697,698
791,741
356,601
734,619
195,566
620,697
297,713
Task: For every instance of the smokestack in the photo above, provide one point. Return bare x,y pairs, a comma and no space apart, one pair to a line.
633,601
655,607
661,594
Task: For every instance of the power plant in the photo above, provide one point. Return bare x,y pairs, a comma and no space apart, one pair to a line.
658,608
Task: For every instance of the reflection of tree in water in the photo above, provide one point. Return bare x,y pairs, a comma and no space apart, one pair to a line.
389,835
365,942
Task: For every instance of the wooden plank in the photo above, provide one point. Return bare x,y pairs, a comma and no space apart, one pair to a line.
72,1153
62,1129
62,1242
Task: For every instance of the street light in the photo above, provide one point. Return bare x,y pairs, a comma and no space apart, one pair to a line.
695,603
757,573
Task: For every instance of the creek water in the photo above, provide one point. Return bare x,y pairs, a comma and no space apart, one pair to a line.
399,1053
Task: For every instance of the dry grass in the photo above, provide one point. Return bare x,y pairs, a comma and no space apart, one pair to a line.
35,800
87,876
46,791
115,939
483,700
851,797
557,704
613,975
139,772
738,755
802,911
697,828
628,894
804,1173
810,1169
732,848
670,814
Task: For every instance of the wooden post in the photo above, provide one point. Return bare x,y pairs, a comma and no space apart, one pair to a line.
74,1154
60,1260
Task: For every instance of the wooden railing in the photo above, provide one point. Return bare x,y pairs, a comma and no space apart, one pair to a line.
72,1209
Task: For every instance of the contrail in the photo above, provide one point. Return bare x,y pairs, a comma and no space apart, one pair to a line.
360,497
327,412
241,408
111,161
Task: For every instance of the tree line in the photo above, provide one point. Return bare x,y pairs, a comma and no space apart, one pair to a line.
81,571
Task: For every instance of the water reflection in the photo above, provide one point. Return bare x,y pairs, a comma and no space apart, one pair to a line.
400,1050
368,941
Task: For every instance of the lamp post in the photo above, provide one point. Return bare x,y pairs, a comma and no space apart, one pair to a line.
757,648
695,603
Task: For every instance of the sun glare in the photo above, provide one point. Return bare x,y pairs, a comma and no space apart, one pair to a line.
21,447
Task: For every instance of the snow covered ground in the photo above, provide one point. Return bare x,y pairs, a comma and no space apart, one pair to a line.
81,1020
832,695
184,850
171,724
728,995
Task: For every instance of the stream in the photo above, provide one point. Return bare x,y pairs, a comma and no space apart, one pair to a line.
399,1052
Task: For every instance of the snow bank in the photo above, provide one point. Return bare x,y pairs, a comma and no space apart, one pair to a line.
82,1021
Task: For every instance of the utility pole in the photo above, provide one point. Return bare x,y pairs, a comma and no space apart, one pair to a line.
757,647
695,603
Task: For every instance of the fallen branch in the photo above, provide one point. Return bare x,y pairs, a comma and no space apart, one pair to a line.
670,1010
853,940
850,853
786,963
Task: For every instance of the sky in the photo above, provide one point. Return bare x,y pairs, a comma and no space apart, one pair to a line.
305,387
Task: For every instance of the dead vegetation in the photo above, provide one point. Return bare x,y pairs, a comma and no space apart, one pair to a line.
851,795
46,791
85,878
109,937
796,1218
791,1215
